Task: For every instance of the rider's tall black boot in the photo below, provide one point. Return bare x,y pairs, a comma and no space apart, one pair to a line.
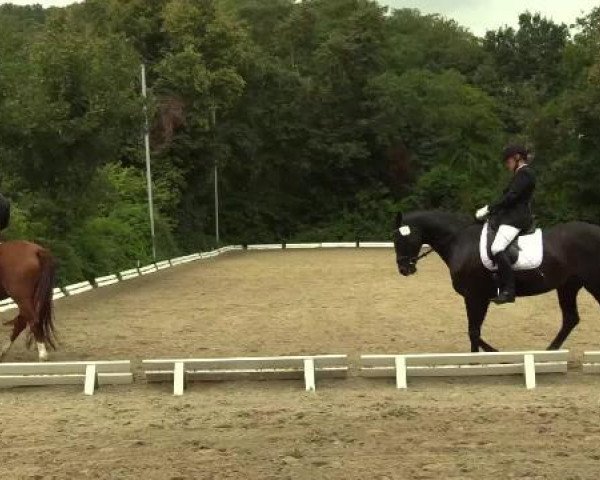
506,275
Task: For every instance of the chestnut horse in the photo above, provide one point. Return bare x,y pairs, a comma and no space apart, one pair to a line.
27,273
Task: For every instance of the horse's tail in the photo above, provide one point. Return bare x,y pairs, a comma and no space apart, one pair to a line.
42,297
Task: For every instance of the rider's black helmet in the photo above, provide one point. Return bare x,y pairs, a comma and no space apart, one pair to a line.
513,150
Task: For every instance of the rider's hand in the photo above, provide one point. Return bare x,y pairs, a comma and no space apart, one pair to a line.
482,213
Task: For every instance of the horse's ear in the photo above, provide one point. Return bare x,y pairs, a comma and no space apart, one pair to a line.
398,219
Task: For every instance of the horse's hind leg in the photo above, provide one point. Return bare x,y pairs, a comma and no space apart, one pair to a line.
567,298
28,316
38,335
19,324
594,291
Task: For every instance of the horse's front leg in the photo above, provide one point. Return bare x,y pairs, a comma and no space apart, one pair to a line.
19,325
477,307
5,349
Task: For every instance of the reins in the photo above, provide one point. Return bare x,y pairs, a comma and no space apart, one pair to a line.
414,260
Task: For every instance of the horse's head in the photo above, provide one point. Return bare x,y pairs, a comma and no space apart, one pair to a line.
407,243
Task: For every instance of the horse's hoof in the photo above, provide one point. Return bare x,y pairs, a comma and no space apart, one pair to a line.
42,352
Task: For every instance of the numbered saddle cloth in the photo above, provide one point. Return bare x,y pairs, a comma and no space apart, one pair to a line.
526,252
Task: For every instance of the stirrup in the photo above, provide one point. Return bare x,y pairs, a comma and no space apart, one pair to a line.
504,297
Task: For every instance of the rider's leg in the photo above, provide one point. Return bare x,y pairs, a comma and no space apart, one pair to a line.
504,237
506,293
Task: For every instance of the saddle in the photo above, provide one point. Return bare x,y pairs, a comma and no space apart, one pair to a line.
513,247
525,251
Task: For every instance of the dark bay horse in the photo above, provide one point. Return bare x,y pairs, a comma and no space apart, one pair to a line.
571,253
27,274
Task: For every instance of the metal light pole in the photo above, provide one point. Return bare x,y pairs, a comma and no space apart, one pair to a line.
148,170
214,124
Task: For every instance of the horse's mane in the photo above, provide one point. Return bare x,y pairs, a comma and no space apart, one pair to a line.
439,217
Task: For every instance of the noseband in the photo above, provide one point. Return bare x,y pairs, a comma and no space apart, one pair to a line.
412,260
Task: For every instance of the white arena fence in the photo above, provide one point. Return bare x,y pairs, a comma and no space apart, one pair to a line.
307,368
528,364
90,374
107,280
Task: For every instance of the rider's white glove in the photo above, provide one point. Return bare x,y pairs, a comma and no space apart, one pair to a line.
482,213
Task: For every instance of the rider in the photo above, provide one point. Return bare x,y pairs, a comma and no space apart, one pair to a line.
512,214
4,212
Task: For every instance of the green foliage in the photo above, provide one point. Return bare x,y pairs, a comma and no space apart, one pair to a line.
440,117
431,42
324,117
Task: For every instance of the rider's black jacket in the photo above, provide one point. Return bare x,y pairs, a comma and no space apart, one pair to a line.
514,206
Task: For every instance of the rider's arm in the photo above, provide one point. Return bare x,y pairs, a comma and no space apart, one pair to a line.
523,180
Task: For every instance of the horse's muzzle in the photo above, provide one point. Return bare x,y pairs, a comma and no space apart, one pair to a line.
407,270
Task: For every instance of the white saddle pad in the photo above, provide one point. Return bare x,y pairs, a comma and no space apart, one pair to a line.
531,251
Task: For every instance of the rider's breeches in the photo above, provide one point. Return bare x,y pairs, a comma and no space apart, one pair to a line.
505,235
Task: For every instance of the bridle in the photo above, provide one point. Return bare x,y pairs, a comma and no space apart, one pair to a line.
413,259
